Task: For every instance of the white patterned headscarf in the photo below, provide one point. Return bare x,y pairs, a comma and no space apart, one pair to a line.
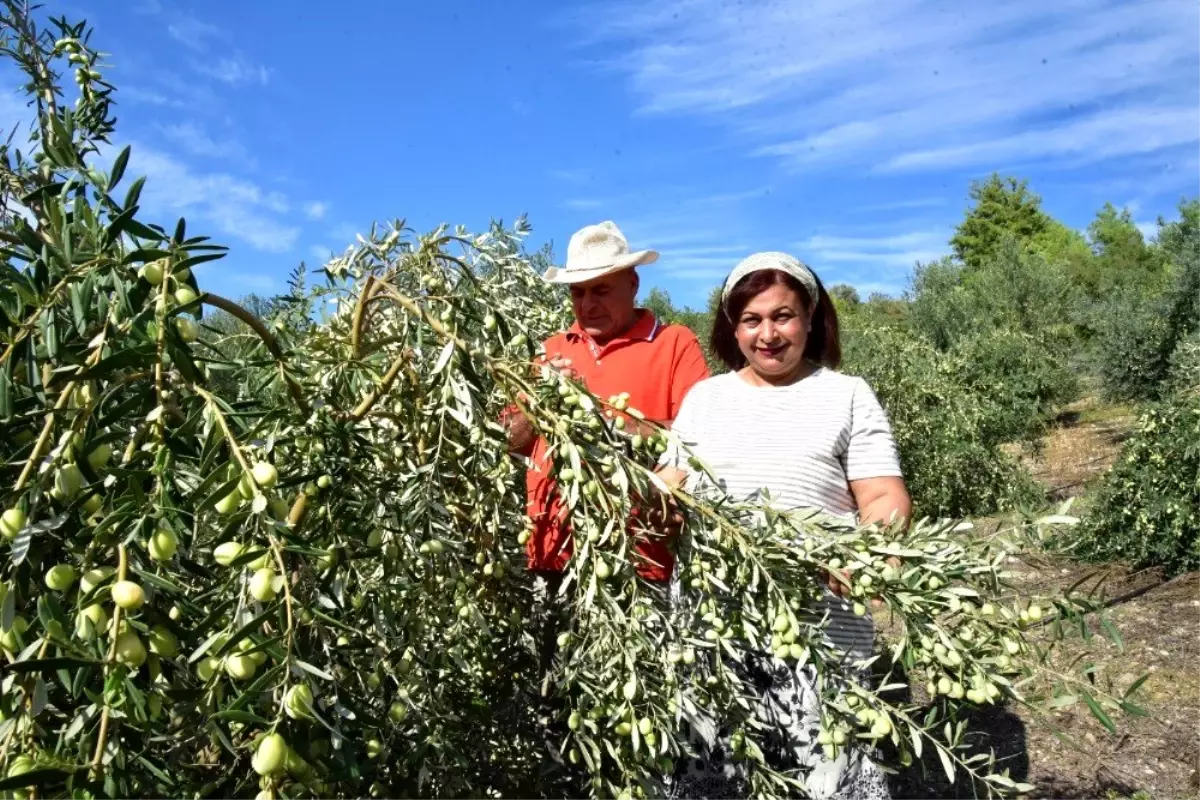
780,261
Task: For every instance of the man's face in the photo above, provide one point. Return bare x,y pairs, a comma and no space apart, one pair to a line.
604,307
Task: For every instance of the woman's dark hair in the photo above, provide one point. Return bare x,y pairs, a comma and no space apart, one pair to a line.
823,346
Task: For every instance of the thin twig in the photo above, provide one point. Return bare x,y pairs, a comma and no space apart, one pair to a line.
287,592
268,339
385,385
102,739
30,323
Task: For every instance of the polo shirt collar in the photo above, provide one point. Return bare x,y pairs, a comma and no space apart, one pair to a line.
645,327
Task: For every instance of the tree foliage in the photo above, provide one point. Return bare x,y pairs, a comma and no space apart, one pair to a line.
305,579
1144,512
1184,374
1122,256
1138,329
1021,380
1001,325
1003,208
948,429
1013,290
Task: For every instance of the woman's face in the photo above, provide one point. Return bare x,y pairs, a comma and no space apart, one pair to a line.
772,332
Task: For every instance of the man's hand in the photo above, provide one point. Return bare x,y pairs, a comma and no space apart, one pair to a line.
520,429
520,432
563,366
660,513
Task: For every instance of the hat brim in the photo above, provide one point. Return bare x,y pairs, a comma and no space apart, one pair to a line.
567,275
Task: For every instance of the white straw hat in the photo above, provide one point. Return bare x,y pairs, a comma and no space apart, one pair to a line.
595,251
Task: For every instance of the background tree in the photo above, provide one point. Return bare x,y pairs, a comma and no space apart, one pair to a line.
1137,328
844,296
1122,256
1002,207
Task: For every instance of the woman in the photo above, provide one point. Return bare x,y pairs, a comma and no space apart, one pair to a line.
782,420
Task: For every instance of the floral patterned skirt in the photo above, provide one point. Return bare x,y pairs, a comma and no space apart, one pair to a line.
789,707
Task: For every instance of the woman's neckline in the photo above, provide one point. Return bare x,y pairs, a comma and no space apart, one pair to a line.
741,379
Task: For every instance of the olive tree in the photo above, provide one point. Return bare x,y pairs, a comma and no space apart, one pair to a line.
284,558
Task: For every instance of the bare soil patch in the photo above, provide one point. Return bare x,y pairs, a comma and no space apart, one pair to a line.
1082,445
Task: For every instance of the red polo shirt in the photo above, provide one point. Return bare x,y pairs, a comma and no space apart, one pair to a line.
657,365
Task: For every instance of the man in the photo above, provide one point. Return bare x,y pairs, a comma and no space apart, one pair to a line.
613,347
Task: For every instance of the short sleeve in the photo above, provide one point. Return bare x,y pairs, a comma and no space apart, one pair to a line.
689,369
871,451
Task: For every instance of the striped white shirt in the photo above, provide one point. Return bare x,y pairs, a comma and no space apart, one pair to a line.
801,443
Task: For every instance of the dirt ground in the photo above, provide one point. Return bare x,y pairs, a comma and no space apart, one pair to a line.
1068,753
1083,444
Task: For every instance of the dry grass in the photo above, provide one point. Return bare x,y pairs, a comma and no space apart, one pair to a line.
1083,444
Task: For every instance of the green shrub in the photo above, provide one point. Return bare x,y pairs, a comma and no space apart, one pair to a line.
940,306
948,442
1020,376
1012,289
1184,374
1145,511
1137,330
1132,346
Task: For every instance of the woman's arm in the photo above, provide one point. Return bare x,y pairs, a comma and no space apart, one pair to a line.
881,500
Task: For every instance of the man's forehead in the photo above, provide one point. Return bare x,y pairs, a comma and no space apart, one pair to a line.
612,279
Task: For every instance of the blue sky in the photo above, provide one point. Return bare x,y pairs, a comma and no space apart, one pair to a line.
845,132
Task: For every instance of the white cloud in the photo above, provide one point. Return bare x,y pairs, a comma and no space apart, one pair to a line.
573,176
1127,131
900,205
164,87
234,70
147,96
1149,230
191,32
236,207
916,84
316,210
195,141
320,252
896,253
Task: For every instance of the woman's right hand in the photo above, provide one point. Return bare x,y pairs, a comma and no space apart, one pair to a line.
837,586
842,588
